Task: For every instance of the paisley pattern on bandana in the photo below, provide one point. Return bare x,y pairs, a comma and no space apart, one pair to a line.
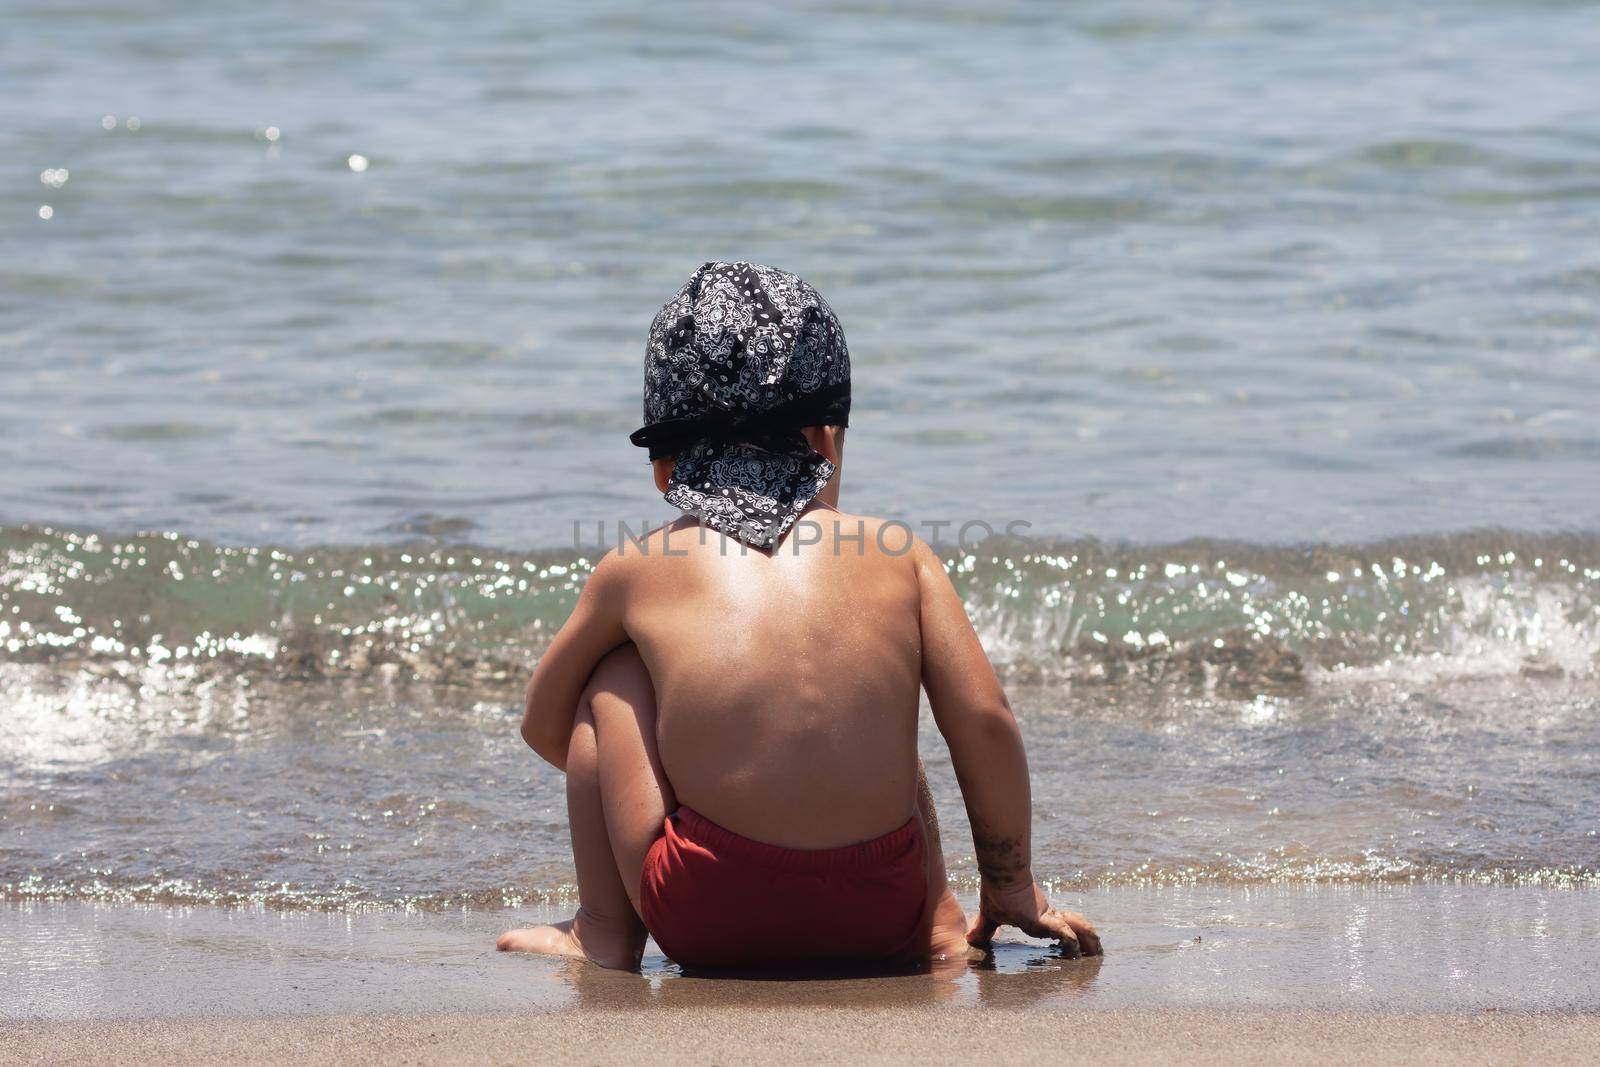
741,339
745,491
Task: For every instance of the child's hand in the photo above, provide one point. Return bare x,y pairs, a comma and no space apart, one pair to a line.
1025,907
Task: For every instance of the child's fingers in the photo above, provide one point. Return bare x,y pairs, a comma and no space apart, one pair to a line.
1053,924
1085,931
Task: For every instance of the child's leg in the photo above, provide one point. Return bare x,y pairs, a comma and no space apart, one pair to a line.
636,797
614,781
605,929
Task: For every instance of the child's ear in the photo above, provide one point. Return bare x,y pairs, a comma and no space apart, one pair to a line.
828,440
663,471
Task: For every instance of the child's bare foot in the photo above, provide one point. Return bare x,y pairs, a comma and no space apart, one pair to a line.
580,937
554,940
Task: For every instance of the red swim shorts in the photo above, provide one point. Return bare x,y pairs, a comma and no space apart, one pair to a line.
716,900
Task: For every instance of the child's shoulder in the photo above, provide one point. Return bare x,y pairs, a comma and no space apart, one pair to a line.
668,540
893,537
866,535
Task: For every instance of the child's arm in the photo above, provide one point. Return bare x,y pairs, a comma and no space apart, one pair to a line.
975,718
593,629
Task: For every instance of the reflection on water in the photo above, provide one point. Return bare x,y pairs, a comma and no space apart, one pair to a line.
1041,977
1014,976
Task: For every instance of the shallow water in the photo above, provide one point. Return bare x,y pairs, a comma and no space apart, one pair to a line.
337,798
337,728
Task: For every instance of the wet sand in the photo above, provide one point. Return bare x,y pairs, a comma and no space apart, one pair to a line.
1237,974
866,1034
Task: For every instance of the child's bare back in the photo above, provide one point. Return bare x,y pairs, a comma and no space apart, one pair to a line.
735,696
787,681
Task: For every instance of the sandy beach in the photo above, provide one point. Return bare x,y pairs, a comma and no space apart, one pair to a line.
865,1034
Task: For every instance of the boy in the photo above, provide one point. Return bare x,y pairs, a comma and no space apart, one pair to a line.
735,697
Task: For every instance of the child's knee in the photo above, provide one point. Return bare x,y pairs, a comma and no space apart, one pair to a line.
621,674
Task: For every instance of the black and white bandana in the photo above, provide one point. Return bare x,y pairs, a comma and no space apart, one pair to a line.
737,363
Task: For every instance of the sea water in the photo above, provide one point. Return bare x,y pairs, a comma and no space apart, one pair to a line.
1270,331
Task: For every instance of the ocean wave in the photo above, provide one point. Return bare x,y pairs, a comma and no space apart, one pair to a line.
1234,617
